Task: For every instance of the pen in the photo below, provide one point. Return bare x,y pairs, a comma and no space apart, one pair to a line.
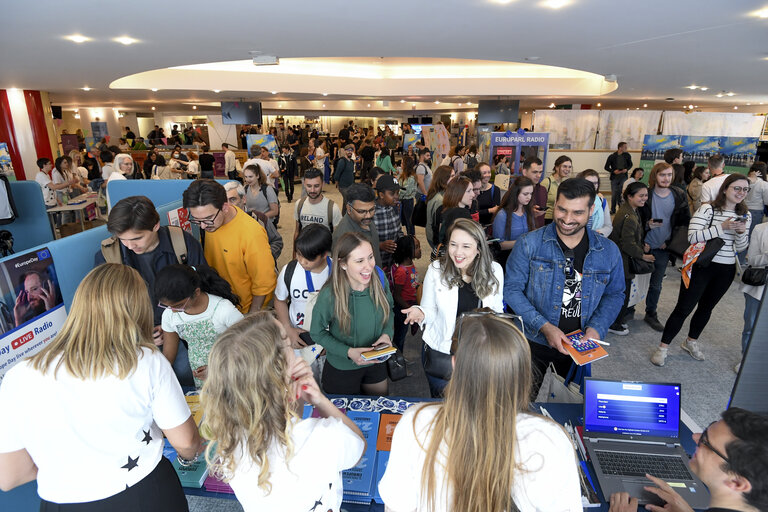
600,342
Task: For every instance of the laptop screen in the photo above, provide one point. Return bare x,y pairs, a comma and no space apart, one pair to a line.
637,409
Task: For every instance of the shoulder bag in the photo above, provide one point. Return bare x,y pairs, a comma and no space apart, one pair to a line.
711,248
755,276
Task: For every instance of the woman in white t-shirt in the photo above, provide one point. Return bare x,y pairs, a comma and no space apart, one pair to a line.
273,460
522,461
86,416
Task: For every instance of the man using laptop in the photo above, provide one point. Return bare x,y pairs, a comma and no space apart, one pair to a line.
731,459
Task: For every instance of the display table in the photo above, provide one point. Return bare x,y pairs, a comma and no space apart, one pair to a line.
76,204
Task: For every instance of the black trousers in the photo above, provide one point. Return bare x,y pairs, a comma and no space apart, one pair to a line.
707,287
288,184
159,491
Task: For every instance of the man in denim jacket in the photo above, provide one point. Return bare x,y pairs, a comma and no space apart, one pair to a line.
564,277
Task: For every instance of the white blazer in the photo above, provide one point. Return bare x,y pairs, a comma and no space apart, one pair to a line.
439,304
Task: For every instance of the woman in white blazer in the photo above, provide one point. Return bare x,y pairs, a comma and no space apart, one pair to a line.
464,279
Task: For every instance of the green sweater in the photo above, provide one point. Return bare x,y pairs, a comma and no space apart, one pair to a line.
365,325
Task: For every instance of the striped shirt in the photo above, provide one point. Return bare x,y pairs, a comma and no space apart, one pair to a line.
701,229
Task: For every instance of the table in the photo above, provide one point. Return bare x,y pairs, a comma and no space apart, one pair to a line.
87,200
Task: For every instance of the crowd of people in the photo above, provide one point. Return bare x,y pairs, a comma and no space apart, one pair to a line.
551,256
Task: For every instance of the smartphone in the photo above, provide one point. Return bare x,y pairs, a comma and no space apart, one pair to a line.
658,221
306,338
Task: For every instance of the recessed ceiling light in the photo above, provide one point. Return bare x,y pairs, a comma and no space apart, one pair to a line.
323,105
274,92
194,107
735,108
154,89
761,13
599,104
749,104
369,104
402,101
555,4
153,108
704,88
637,108
77,116
551,105
217,91
78,38
695,106
627,108
325,94
459,104
690,106
437,102
77,110
469,103
761,102
645,105
730,94
526,112
719,95
692,87
125,40
86,88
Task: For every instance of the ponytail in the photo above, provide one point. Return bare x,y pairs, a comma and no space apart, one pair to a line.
178,282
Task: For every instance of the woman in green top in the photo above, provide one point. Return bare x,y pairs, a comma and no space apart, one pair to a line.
385,162
353,314
408,190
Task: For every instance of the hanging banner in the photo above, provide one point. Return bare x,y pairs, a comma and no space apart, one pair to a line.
521,144
31,307
739,152
69,143
6,167
267,141
409,139
99,129
654,147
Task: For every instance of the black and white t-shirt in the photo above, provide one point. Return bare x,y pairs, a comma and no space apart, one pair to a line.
90,439
303,283
570,312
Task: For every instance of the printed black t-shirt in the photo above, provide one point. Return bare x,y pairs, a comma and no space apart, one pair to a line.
570,312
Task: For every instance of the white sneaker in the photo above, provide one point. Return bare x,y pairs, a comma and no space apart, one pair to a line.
692,347
659,357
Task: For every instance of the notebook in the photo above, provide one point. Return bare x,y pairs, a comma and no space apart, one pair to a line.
633,428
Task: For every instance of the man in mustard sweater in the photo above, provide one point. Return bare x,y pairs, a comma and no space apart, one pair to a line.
236,245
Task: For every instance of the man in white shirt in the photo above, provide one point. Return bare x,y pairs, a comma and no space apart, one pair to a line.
43,178
315,207
230,168
269,166
717,176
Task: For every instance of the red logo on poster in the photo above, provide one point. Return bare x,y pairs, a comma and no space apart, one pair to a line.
22,340
505,151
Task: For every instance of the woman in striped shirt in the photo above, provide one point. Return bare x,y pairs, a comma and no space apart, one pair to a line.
727,218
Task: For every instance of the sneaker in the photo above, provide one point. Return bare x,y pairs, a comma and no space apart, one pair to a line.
619,330
653,321
692,347
737,367
659,357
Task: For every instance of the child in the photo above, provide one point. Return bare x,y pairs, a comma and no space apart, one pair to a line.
298,279
199,305
405,283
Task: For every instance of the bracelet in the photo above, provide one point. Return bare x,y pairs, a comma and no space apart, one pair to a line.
186,462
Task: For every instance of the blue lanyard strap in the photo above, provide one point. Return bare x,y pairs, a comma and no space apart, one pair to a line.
308,275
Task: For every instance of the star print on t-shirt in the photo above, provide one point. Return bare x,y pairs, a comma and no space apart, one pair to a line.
132,463
147,437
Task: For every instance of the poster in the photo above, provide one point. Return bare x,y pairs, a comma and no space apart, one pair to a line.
99,129
69,143
31,307
739,152
409,139
262,140
180,217
6,167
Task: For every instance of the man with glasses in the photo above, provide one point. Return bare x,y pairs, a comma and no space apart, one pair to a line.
236,197
361,207
731,459
148,247
533,169
563,278
236,245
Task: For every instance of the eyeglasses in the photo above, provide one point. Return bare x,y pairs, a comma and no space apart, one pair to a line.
207,222
741,189
516,320
704,440
175,309
364,212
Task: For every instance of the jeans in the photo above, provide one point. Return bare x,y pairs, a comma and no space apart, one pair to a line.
654,290
436,385
406,211
707,287
616,185
751,307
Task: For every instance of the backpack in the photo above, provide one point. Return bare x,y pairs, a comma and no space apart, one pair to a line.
471,162
330,213
110,247
263,188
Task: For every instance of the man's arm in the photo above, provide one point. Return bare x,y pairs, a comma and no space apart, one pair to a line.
420,179
515,281
260,266
609,165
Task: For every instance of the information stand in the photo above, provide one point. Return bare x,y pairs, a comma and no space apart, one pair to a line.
519,143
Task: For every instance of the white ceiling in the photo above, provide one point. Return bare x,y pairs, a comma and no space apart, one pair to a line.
654,48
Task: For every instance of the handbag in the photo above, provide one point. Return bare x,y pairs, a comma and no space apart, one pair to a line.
396,367
419,215
755,276
437,364
640,266
678,244
556,389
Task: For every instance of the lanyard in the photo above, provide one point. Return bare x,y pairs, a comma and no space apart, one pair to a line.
308,276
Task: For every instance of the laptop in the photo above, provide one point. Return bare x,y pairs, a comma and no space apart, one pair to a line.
633,428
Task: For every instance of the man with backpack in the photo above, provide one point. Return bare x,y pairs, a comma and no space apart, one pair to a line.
139,241
315,208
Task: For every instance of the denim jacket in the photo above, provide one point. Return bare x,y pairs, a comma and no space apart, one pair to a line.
535,276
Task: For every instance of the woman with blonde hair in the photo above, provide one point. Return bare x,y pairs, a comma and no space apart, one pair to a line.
251,401
96,402
482,449
353,314
463,279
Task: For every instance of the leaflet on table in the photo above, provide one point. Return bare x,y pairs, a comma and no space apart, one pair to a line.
582,350
359,479
381,466
31,307
387,425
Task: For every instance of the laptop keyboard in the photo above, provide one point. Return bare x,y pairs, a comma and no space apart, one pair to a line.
638,464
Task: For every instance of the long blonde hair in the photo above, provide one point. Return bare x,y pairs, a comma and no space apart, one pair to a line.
484,282
111,319
246,400
340,282
490,385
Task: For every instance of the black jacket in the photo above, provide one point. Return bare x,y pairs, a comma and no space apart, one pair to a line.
681,215
611,165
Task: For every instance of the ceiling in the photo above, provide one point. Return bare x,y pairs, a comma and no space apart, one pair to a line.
654,49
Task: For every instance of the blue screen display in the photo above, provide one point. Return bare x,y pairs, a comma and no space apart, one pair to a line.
632,408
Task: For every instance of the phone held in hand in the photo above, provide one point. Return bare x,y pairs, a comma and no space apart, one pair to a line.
658,221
